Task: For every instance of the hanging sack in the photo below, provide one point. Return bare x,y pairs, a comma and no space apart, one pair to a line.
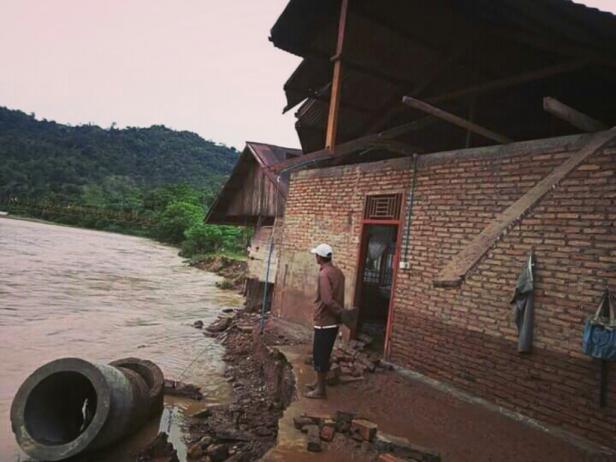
599,340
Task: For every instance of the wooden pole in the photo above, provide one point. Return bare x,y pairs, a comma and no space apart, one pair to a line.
572,116
334,102
454,119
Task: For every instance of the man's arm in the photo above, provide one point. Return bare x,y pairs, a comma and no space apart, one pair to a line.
326,295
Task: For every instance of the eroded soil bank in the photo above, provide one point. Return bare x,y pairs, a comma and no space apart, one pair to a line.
232,270
263,385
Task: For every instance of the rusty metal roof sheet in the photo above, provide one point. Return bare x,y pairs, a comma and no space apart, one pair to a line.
395,48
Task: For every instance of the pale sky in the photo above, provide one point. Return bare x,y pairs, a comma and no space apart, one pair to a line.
200,65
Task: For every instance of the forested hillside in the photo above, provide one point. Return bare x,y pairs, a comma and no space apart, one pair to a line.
42,159
152,181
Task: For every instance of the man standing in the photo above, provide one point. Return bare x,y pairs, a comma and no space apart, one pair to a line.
328,309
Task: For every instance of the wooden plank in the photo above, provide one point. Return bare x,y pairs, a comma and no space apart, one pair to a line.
334,103
506,82
393,105
454,119
458,267
572,116
350,146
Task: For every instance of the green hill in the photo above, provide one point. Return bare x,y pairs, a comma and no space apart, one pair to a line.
153,182
83,164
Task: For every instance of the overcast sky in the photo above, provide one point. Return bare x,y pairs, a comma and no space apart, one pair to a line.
200,65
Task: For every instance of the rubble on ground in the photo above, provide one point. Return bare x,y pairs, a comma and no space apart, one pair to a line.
185,390
351,360
247,427
220,325
322,429
159,450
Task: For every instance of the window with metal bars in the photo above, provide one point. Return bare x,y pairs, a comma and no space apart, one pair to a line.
383,207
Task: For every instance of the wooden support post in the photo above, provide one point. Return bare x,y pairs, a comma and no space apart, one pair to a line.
454,119
572,116
334,102
459,266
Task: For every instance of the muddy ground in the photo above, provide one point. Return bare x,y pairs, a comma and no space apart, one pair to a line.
263,386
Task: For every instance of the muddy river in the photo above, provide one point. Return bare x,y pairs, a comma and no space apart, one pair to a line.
102,296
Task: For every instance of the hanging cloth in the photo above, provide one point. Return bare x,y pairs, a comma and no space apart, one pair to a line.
523,301
599,339
377,244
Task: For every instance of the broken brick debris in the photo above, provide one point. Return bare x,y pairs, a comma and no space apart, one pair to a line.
158,450
185,390
323,428
364,428
313,438
327,433
262,386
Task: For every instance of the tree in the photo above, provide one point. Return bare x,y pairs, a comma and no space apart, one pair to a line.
176,219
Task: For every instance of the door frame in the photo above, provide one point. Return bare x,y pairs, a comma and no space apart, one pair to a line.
396,263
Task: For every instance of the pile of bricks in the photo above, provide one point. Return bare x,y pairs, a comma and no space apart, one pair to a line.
351,360
383,447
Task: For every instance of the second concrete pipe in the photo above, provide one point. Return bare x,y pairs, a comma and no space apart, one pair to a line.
70,405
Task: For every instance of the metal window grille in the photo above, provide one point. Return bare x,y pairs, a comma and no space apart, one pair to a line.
383,207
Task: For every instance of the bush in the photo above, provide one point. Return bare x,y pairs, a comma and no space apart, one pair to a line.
206,239
176,219
202,239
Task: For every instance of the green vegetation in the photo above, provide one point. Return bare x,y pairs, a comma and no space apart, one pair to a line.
153,182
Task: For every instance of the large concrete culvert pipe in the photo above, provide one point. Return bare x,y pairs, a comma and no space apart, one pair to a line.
70,406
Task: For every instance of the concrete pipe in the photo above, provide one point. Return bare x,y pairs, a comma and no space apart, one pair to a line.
70,406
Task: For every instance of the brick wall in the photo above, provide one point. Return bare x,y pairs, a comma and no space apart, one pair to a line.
465,335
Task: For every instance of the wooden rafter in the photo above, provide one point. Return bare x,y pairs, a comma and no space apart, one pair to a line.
454,119
416,89
334,102
507,82
397,147
351,146
572,116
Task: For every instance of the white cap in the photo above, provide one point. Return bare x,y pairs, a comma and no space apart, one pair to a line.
323,250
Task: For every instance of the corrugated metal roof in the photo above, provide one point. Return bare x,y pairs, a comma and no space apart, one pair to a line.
393,46
270,154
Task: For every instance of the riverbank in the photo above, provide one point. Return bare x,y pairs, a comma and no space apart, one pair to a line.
269,419
232,268
262,384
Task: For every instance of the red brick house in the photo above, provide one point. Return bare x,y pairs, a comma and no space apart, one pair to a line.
445,141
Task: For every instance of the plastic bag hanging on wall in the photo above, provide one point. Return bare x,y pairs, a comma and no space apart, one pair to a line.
599,339
523,300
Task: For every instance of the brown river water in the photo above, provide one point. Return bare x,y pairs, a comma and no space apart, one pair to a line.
102,296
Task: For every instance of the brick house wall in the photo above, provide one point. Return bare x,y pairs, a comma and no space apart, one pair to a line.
465,336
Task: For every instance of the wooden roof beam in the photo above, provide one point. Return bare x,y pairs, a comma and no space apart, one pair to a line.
572,116
392,106
351,146
500,84
455,120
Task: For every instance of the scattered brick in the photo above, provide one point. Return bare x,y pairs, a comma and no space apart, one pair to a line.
366,429
314,438
327,433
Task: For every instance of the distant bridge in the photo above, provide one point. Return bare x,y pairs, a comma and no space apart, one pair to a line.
54,211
